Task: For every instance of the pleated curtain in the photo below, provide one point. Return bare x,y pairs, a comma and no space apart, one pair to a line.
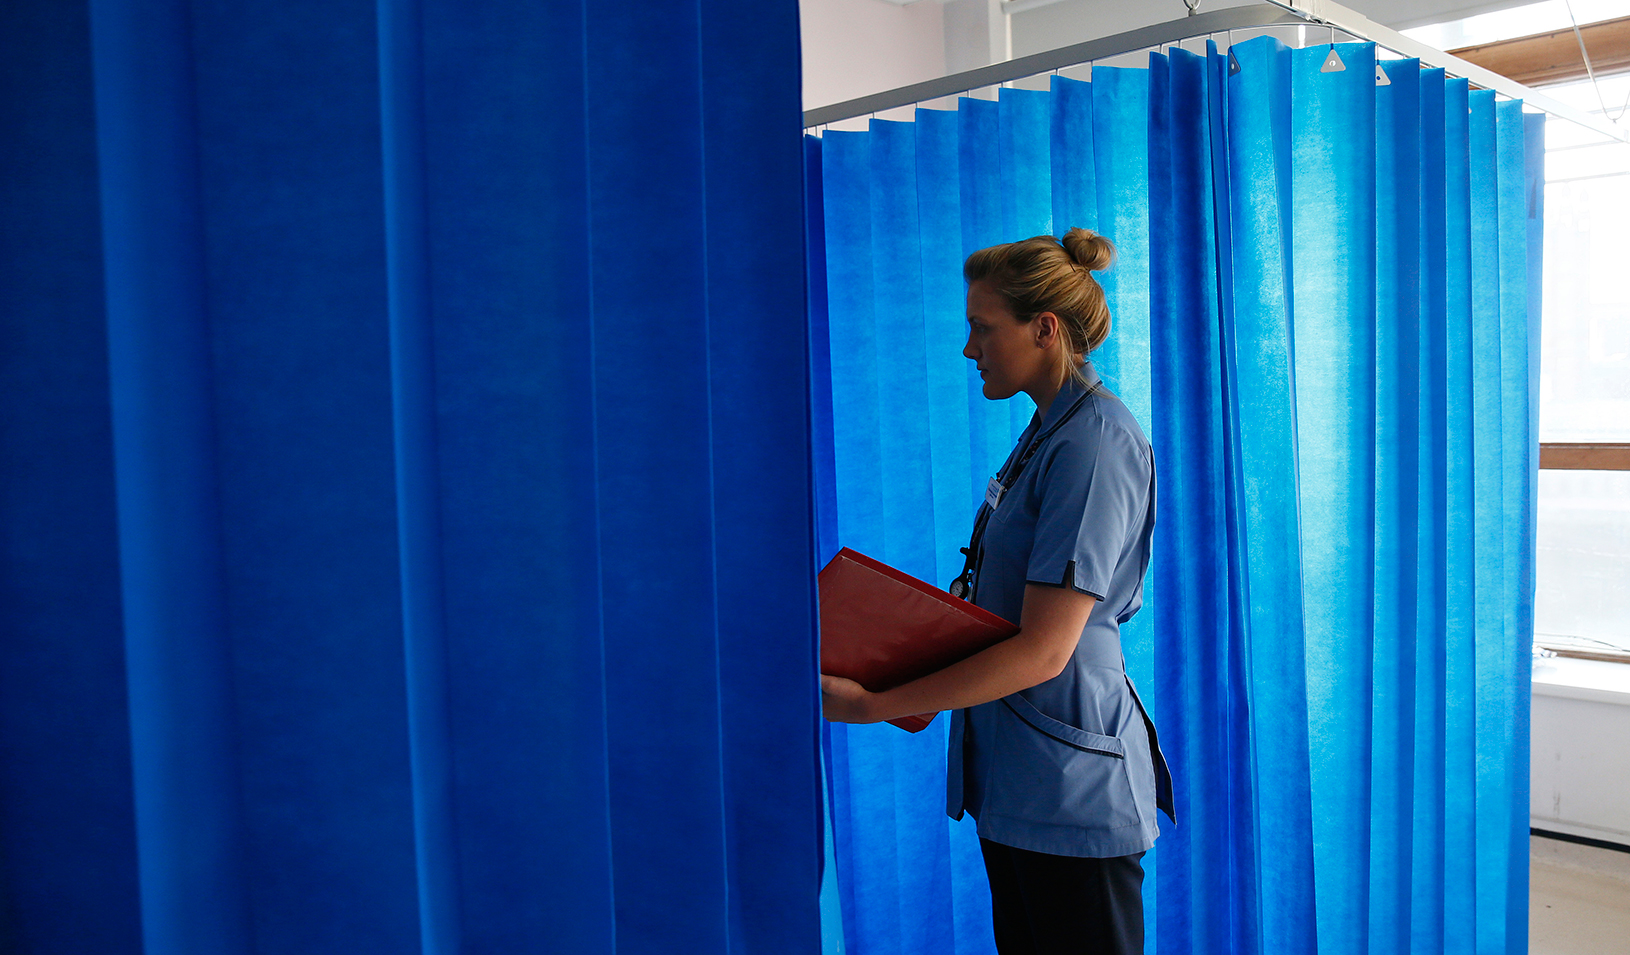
405,502
1325,309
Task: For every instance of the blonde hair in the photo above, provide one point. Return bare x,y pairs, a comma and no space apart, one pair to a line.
1044,274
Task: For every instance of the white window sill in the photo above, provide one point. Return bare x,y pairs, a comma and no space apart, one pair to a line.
1596,680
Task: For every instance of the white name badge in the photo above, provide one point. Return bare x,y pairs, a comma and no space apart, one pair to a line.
993,493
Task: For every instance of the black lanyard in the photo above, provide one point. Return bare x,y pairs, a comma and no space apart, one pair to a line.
962,588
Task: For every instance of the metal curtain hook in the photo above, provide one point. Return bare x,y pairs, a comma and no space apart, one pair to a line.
1333,63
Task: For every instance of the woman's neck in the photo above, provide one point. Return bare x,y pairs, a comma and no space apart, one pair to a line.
1043,392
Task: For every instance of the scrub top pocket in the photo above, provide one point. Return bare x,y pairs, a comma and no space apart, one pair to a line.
1057,774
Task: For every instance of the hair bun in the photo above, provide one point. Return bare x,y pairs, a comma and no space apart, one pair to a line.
1090,250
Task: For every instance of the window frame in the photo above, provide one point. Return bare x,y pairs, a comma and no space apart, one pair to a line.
1582,456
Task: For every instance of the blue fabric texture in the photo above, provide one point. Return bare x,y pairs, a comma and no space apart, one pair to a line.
1324,312
396,444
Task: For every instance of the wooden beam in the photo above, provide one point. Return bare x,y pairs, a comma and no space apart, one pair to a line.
1584,457
1550,58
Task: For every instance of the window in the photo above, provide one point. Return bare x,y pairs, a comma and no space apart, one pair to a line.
1582,604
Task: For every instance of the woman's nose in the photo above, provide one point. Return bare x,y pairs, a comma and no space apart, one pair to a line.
968,352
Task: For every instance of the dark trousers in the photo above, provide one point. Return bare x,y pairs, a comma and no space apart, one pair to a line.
1062,905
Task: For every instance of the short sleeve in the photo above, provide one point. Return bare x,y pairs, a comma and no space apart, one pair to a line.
1094,504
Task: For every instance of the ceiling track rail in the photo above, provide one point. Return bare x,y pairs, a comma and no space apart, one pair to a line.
1273,13
1143,38
1350,21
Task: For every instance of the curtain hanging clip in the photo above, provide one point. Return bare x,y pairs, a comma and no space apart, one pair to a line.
1332,63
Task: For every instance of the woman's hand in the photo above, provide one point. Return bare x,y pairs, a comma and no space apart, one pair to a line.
1050,623
845,701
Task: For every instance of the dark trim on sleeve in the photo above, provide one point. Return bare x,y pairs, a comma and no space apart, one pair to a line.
1067,581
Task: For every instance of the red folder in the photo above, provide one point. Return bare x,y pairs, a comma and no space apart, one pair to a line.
881,627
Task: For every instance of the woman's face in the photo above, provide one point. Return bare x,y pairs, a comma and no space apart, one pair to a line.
1011,357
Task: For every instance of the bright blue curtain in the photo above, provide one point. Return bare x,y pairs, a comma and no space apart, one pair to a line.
1323,317
407,540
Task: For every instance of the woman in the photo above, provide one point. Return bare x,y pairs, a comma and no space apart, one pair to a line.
1051,750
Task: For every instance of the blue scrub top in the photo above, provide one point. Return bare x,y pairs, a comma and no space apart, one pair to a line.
1069,766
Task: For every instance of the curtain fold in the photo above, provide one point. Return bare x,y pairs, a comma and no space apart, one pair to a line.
1205,735
396,447
1323,316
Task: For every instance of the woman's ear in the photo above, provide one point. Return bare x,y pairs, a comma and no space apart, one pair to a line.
1046,326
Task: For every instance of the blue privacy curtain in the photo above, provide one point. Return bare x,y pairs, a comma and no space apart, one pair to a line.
406,537
1324,317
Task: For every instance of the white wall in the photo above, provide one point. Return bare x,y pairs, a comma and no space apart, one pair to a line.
856,47
1076,21
1580,771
